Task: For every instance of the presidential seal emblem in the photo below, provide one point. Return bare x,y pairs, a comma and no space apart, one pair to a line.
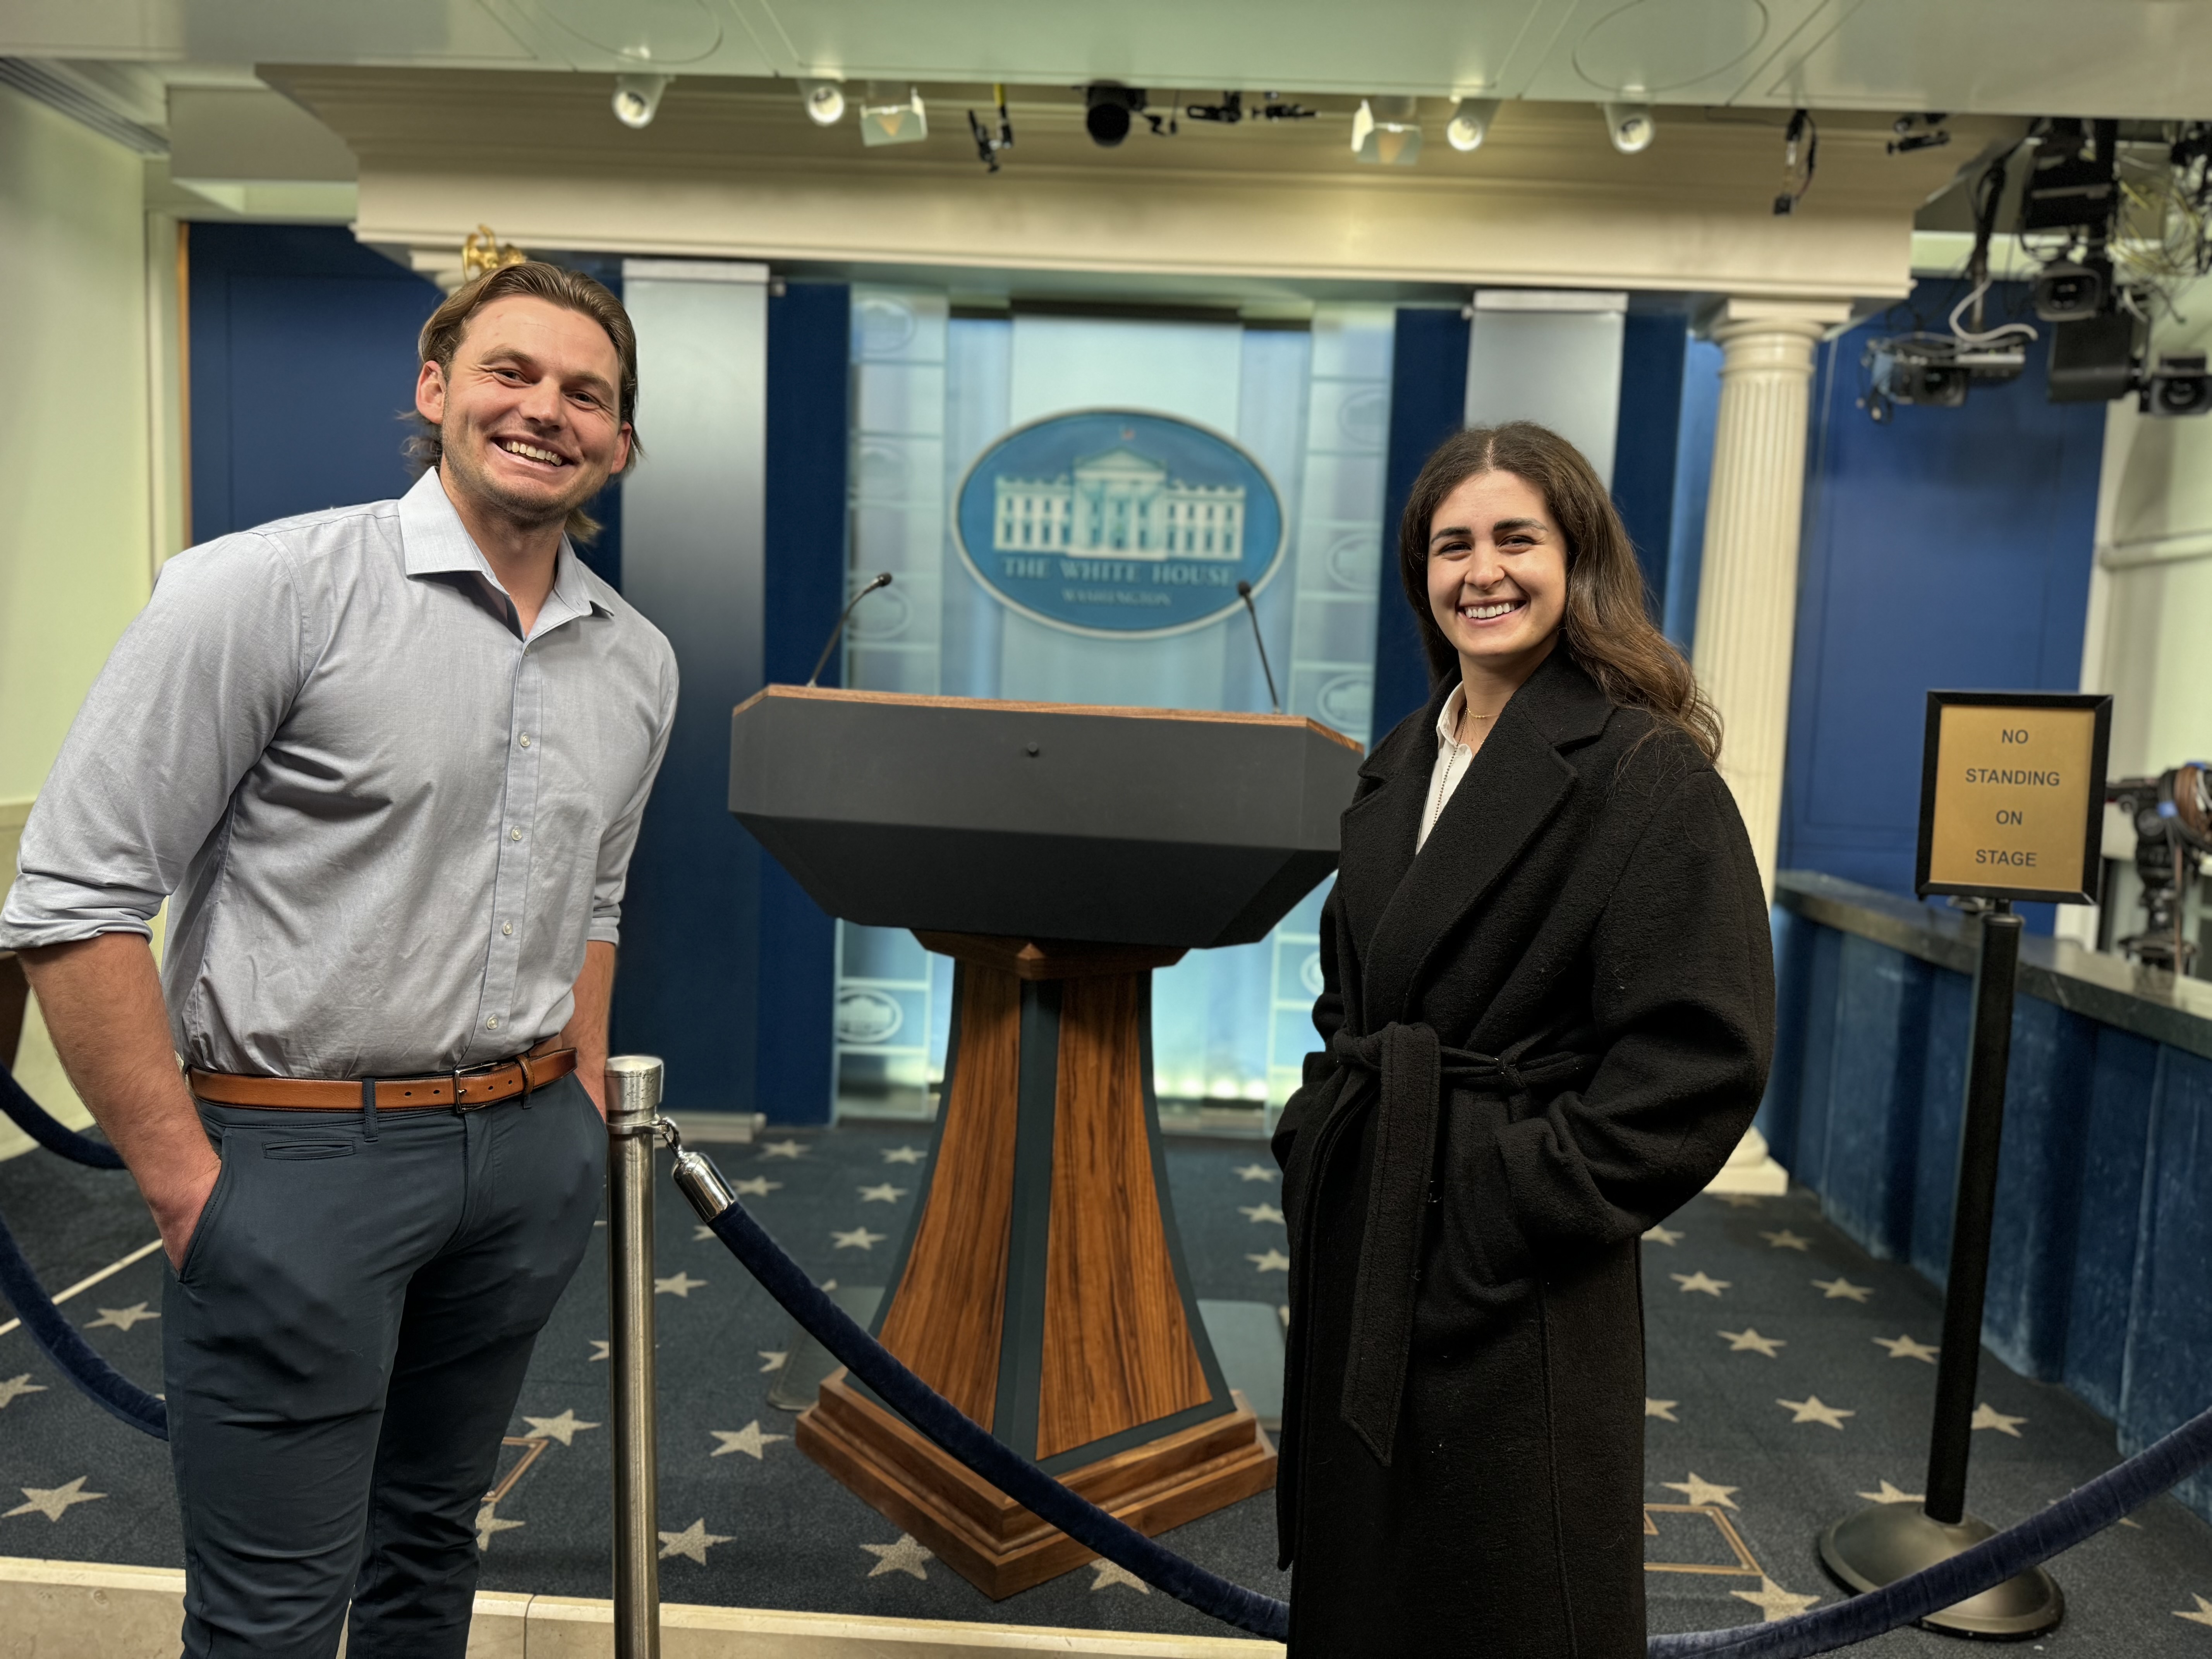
1118,522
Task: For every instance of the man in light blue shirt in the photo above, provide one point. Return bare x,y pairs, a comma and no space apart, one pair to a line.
388,762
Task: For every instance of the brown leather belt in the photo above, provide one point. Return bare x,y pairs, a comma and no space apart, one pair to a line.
466,1090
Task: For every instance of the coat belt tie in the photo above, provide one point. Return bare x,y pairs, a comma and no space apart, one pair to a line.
1410,1068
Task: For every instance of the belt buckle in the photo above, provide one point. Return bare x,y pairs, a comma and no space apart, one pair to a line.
462,1107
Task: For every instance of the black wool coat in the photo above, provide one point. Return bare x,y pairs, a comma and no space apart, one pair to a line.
1542,1035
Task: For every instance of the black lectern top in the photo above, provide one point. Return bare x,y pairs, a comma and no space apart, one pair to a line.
1058,821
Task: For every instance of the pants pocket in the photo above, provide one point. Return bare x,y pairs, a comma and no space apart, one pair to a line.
218,1199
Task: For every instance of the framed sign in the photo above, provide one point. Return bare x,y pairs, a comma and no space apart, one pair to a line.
2012,795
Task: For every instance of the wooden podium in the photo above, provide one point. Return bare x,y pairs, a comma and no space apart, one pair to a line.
1059,853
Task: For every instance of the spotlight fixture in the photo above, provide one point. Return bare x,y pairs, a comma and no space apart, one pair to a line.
1630,127
1386,132
1470,123
2180,385
990,142
824,101
1109,110
1801,155
2065,292
891,117
637,98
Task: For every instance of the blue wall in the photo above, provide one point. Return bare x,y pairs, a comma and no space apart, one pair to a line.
1654,348
1428,404
1946,547
300,369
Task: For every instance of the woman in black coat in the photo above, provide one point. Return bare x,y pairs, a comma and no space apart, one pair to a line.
1547,1014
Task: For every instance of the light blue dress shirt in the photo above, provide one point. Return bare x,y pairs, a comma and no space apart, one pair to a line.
390,820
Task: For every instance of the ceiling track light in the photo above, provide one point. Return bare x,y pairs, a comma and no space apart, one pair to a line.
1386,132
891,117
1630,127
1470,123
637,98
824,101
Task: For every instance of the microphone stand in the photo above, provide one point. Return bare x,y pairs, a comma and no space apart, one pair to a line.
844,616
1244,592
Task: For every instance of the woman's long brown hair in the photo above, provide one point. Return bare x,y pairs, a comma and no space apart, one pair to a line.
1606,628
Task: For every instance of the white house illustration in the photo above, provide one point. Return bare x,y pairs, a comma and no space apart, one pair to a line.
1119,502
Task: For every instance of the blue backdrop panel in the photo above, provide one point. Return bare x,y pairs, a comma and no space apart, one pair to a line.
301,366
809,326
1653,351
1428,402
1944,548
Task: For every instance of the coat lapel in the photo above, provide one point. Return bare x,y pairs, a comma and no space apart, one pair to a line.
1383,823
1517,782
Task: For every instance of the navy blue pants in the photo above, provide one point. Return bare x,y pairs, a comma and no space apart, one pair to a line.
344,1347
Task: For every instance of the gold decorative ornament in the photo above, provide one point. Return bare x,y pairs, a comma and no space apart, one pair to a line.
483,252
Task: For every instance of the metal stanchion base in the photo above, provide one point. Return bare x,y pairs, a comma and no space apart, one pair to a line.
1890,1541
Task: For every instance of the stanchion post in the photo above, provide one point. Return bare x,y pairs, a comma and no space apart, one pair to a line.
1889,1542
1973,1214
633,1096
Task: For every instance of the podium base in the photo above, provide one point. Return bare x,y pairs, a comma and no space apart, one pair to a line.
991,1540
1890,1541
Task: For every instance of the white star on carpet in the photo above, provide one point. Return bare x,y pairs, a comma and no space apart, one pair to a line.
1273,1262
1904,1347
1748,1340
859,1239
782,1149
1256,1172
51,1501
1738,1201
1775,1602
701,1232
1810,1410
1987,1416
563,1428
490,1526
1786,1240
756,1186
1257,1213
17,1387
1840,1286
749,1440
1661,1235
2203,1613
772,1358
1698,1281
1105,1574
904,1155
905,1556
693,1542
1663,1409
886,1193
122,1318
599,1345
680,1284
1889,1494
1703,1492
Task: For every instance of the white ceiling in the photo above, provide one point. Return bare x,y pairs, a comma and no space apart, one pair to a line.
2141,59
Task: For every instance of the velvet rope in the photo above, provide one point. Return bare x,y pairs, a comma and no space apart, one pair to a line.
2078,1516
75,1358
35,1121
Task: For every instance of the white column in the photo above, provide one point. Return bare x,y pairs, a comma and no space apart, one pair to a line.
1747,587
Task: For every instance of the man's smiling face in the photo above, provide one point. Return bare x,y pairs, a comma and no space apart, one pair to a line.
529,412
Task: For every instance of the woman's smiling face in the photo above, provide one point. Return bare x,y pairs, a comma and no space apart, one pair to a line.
1498,576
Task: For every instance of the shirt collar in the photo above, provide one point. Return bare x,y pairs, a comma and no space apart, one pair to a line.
1448,717
433,542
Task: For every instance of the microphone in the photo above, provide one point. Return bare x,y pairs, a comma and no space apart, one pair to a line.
1244,592
844,616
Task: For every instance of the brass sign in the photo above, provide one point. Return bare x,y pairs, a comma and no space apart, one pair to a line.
2012,794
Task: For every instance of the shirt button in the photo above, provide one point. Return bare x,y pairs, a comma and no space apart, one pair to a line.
515,833
526,739
492,1024
506,927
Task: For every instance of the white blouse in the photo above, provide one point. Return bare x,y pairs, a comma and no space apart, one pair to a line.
1453,759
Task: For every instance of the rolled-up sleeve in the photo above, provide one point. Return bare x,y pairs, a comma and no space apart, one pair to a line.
192,695
620,840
